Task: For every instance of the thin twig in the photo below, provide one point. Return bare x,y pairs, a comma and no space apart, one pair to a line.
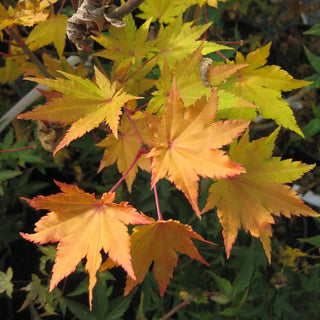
175,309
29,53
139,153
61,7
138,69
18,149
221,55
125,9
135,129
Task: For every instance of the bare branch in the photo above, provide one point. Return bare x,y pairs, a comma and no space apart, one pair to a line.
126,8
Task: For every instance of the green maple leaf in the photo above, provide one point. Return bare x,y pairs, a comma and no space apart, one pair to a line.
5,282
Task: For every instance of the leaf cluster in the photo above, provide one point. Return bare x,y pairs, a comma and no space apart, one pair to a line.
156,103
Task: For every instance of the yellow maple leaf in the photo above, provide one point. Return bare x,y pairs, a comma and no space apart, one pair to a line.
124,149
43,34
187,77
263,85
159,243
14,65
127,44
250,199
211,3
186,142
26,13
165,11
178,39
54,66
83,226
84,104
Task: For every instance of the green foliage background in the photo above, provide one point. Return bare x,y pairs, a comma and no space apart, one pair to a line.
243,287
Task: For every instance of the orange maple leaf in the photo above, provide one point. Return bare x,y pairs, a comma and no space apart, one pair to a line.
84,105
185,144
159,242
124,149
25,12
84,226
250,200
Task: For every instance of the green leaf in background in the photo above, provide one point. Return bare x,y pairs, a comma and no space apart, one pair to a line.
315,30
315,241
223,284
102,307
5,282
119,306
36,293
8,174
81,311
313,126
313,59
315,110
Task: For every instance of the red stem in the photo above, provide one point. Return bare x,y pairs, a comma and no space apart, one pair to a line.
86,47
140,108
62,5
138,69
157,202
135,129
221,55
240,43
139,153
125,74
20,40
18,149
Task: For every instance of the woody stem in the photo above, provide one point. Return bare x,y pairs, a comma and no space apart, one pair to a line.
126,8
29,53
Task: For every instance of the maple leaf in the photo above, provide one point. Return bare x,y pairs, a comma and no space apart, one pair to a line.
84,105
185,144
234,107
5,282
250,199
211,3
26,13
178,39
191,87
84,226
219,73
14,65
163,10
159,243
42,34
187,77
54,66
127,44
263,85
125,149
